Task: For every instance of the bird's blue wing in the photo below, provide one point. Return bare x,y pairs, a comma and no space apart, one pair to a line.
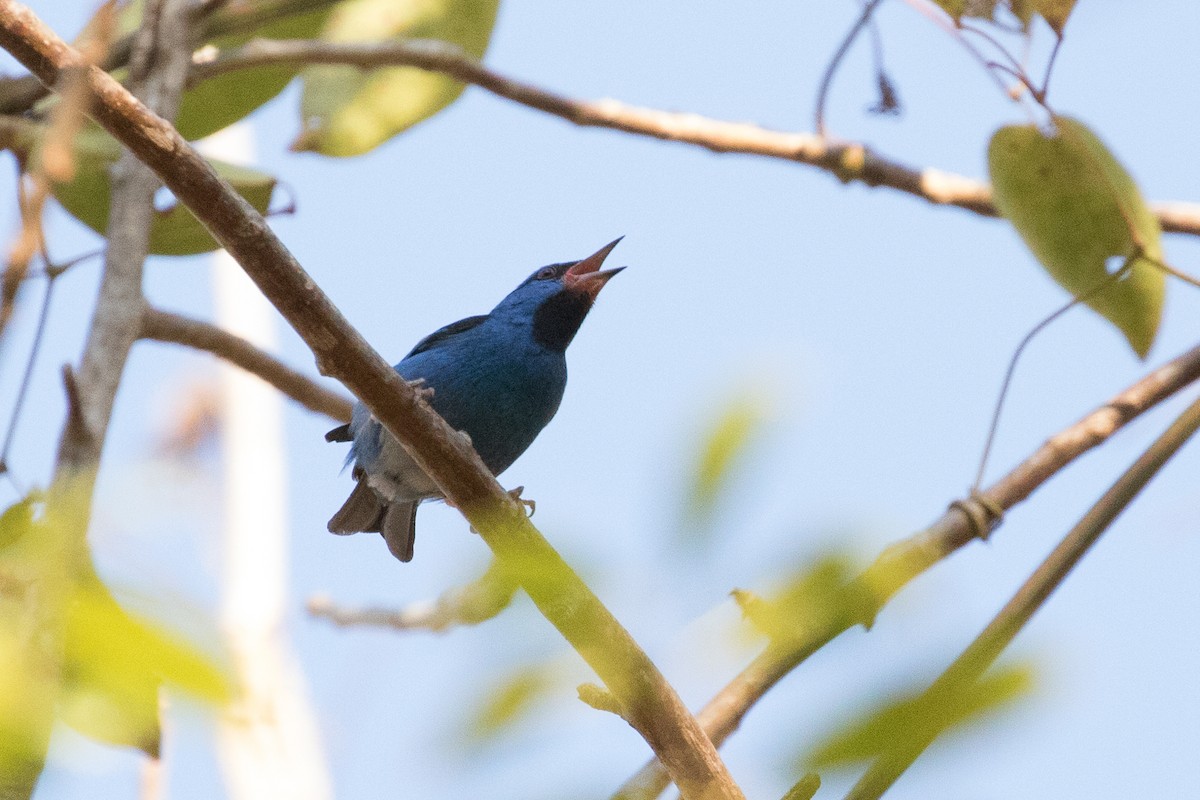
442,335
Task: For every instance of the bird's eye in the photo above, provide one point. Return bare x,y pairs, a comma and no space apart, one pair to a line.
545,273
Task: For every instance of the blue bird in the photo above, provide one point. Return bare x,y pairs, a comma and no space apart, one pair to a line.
498,378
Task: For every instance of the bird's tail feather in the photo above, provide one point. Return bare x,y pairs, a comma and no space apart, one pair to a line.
363,511
400,529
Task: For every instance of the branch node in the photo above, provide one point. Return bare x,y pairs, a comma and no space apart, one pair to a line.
600,699
982,512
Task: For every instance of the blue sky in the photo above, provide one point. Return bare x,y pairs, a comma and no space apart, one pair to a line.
879,327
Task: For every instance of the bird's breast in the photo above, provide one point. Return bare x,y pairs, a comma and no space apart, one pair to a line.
501,397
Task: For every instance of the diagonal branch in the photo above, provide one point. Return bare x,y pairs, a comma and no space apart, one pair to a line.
163,326
647,701
975,660
469,604
848,161
908,558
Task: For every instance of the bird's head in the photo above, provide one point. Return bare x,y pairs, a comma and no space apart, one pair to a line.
556,298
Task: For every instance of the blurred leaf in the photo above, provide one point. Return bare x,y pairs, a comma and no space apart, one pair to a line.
724,448
805,788
26,702
512,698
917,718
219,102
1074,204
16,522
113,664
347,111
72,645
1055,12
958,9
175,230
821,595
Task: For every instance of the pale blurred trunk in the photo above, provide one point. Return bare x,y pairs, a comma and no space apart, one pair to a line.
268,738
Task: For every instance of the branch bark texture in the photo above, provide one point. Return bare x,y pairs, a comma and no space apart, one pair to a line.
848,161
907,559
975,660
163,326
649,703
158,69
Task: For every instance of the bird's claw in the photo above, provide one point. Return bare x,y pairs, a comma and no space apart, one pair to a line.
515,494
420,388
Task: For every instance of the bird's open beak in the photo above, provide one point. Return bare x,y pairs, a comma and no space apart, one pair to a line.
587,277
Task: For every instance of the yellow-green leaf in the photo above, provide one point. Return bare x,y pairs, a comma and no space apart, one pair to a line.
221,101
820,595
1080,213
347,111
113,664
1055,12
512,698
722,450
968,8
898,723
175,230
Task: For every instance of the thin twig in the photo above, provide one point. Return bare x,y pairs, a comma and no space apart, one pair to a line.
651,704
35,347
831,69
1016,357
849,161
999,633
163,326
210,21
905,560
470,604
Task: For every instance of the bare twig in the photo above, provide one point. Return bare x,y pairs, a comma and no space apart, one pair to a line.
470,604
986,648
39,333
55,164
158,69
163,326
908,558
848,161
210,20
831,69
651,705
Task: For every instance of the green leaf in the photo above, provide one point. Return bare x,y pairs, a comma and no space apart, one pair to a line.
16,522
805,788
175,230
736,427
1055,12
915,719
512,699
347,111
821,595
1078,210
68,650
958,9
221,101
113,664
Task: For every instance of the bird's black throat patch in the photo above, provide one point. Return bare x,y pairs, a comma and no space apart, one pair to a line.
557,320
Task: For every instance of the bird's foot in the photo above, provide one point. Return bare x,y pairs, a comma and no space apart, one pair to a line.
422,390
515,494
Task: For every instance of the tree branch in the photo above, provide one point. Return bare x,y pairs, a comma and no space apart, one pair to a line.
158,69
908,558
651,705
848,161
210,20
971,664
470,604
163,326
